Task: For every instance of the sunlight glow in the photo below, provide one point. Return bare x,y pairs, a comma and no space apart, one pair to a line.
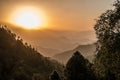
29,18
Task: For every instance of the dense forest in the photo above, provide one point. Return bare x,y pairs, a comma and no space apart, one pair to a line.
20,61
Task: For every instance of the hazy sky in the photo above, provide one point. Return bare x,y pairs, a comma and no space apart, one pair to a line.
61,14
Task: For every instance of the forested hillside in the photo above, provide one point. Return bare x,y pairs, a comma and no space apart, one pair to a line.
20,61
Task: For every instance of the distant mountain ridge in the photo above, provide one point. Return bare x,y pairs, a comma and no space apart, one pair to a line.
88,51
51,42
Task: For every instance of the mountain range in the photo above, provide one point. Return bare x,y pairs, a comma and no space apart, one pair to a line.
88,51
51,42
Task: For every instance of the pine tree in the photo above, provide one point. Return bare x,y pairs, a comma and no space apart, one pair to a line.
77,68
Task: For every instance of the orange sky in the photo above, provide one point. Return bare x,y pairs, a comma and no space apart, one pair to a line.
62,14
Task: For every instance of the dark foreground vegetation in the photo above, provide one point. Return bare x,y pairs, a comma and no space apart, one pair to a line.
19,61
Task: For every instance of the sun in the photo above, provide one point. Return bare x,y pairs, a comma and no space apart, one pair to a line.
29,18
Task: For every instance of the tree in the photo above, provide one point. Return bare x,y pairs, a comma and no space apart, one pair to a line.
77,68
107,61
55,76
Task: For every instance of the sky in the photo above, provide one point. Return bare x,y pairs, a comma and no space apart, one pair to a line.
77,15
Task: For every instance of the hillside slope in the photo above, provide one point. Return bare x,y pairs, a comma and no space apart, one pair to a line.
20,61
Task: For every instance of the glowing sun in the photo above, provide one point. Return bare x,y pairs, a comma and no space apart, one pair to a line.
29,18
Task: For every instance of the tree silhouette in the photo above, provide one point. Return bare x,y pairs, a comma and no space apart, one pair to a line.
107,62
55,76
77,68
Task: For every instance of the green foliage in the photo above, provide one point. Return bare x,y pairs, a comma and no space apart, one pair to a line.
78,68
107,62
19,61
